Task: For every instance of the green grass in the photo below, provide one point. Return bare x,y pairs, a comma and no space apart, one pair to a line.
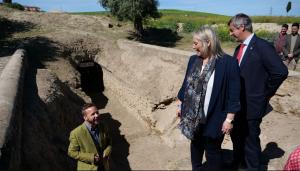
177,16
14,6
269,36
193,20
186,43
275,19
210,18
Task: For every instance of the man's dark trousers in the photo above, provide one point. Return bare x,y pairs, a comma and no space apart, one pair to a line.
245,138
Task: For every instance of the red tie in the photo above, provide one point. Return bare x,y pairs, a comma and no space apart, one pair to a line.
239,55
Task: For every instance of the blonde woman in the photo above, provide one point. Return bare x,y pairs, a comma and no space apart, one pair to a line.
208,98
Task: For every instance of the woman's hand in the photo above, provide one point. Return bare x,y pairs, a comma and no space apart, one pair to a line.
227,127
227,124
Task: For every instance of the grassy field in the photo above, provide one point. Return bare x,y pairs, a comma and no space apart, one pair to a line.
192,19
275,19
162,31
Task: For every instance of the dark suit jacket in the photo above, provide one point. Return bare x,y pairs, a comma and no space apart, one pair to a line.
225,94
287,47
262,72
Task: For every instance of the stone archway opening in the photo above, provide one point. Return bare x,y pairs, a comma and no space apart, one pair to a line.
91,77
91,80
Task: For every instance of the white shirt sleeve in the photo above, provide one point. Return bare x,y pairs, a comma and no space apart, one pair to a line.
208,92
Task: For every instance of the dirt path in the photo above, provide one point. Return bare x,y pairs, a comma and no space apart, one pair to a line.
145,149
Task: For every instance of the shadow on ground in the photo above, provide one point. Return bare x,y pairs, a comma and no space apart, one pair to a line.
120,145
272,151
92,84
9,27
42,49
46,123
161,37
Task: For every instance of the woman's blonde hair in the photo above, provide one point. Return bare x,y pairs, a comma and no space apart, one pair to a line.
207,35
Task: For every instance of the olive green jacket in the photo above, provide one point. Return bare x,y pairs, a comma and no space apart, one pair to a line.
83,149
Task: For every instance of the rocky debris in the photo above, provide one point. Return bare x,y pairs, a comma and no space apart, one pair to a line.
295,73
69,75
82,49
286,100
163,104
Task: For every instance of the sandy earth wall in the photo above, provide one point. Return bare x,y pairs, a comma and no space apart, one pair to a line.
146,79
11,93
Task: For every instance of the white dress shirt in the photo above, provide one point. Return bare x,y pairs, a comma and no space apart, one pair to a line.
246,42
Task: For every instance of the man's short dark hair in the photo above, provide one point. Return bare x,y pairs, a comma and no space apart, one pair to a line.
295,25
285,26
85,106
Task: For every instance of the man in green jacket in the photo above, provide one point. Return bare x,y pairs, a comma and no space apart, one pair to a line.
90,143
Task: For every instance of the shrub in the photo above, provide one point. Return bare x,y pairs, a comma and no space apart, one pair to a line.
3,27
223,33
190,27
172,25
15,6
265,35
275,19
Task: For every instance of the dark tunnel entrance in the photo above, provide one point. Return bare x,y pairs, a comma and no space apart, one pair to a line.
91,78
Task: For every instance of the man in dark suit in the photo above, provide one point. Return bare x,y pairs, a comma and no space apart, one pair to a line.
262,72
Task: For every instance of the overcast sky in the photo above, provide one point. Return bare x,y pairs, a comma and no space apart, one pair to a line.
225,7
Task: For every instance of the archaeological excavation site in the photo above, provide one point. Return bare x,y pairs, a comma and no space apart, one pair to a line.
56,62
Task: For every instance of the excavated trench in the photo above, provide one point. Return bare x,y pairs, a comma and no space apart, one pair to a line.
137,111
52,106
140,83
54,91
134,85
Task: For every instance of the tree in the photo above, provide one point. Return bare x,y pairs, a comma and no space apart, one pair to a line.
7,1
134,10
288,6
